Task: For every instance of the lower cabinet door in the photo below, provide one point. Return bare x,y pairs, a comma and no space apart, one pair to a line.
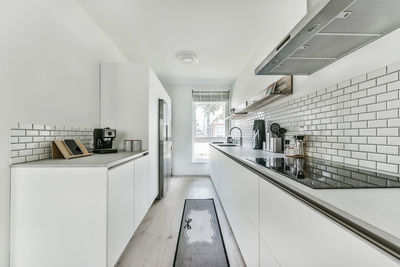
120,209
141,189
267,259
241,202
299,236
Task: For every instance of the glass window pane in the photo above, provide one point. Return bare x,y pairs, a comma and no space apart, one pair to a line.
209,119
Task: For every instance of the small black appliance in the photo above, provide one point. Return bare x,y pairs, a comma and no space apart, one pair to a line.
103,140
259,131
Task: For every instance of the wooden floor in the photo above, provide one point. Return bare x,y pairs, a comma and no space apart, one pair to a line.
154,242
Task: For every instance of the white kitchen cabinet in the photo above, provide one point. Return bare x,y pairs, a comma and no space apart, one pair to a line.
214,167
76,216
121,206
299,236
58,217
141,189
240,199
267,259
273,228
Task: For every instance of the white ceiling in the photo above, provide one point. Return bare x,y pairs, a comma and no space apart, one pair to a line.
225,34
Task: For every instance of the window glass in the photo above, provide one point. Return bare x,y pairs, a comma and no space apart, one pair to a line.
208,126
209,118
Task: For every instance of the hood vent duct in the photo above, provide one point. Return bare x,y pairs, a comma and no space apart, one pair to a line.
329,32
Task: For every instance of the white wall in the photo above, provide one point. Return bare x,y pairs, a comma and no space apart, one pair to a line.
49,73
377,54
182,123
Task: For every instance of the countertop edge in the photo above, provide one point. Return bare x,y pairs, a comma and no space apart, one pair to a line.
107,165
380,238
122,161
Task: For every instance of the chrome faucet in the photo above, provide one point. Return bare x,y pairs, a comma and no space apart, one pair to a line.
241,137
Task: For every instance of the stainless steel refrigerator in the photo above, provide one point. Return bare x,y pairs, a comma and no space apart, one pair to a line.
165,149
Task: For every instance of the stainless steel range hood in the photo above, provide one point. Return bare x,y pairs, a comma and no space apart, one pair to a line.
332,30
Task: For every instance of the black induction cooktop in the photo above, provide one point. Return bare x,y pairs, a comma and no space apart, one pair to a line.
320,174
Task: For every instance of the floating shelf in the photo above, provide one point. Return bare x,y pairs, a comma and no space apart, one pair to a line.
236,116
283,87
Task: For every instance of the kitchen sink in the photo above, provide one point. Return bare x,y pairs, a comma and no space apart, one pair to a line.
227,144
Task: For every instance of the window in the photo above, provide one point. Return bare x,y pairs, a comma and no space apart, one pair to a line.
209,111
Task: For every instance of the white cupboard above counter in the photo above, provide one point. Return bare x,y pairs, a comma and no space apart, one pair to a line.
80,212
271,221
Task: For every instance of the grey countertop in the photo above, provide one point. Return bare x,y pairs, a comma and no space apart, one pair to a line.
376,212
96,160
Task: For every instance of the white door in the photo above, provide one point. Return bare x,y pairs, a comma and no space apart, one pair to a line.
142,201
120,209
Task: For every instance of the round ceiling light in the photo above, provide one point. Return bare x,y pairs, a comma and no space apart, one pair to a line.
187,57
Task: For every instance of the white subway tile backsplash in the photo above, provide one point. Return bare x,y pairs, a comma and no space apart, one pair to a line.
367,84
24,139
38,127
377,140
32,158
388,131
368,148
394,150
17,146
377,157
359,124
388,78
359,155
393,104
27,152
18,133
367,116
387,167
356,121
17,160
393,86
353,147
377,107
359,140
368,132
388,96
377,73
342,85
352,89
359,79
29,142
395,141
26,126
394,122
44,133
14,153
32,145
376,90
394,67
393,159
377,123
367,100
367,164
32,133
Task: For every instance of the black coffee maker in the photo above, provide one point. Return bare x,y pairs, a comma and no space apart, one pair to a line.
259,134
103,140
